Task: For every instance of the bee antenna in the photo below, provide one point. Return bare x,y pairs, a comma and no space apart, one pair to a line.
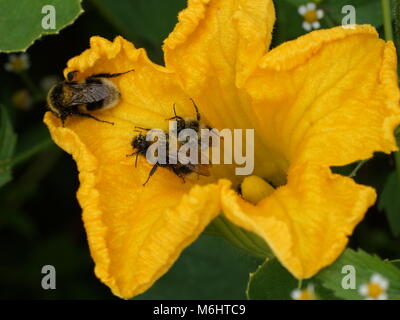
197,110
141,128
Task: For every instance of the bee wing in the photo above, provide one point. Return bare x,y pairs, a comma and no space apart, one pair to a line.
201,169
83,93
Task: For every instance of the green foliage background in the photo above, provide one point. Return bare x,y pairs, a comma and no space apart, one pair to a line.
40,219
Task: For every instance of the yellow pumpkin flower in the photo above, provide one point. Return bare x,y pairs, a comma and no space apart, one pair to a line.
329,98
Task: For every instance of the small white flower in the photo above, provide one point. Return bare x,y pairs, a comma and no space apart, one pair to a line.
375,289
311,15
49,81
22,100
17,62
304,294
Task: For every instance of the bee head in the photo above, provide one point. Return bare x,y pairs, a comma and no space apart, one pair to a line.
180,124
55,99
139,142
192,124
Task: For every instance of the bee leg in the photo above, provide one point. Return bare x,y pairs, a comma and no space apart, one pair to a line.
62,118
151,173
180,175
141,128
109,75
136,153
87,115
197,110
132,154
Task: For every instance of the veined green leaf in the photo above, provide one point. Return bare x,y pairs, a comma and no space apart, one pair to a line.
21,21
361,266
271,282
367,11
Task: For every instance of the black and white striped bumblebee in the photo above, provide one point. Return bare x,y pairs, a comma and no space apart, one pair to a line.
79,98
140,144
189,123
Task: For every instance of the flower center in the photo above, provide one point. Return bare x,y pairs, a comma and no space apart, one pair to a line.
374,290
254,189
307,294
18,64
311,16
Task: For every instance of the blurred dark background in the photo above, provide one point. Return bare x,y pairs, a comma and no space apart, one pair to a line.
40,219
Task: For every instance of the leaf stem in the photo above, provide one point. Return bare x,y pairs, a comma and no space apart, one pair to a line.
21,157
358,167
387,20
240,238
397,23
300,284
329,20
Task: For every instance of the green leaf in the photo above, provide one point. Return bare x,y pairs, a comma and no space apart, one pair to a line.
365,265
288,25
367,11
35,140
152,20
207,269
8,140
271,282
389,201
21,21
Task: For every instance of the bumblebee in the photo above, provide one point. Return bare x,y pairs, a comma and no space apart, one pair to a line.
140,144
189,123
71,97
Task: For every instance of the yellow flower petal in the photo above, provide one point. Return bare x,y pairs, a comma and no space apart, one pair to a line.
221,37
330,97
306,222
323,102
135,233
148,93
216,45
